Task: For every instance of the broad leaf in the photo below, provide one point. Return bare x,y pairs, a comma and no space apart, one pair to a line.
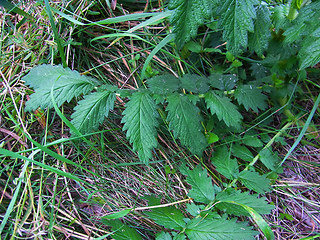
163,84
141,120
251,139
225,82
163,236
251,97
258,204
242,152
224,164
184,121
188,15
224,109
269,158
237,19
219,229
91,111
169,217
255,182
65,84
258,40
194,83
122,231
202,189
310,53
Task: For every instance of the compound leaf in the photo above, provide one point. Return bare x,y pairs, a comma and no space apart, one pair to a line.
219,229
254,181
226,198
141,119
202,189
169,217
237,19
251,97
224,109
91,111
65,84
224,164
184,121
188,15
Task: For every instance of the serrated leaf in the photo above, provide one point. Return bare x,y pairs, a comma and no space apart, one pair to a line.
202,189
259,39
237,19
279,16
169,217
254,181
310,53
224,164
163,236
141,120
194,83
251,97
219,229
251,139
184,121
122,231
193,209
269,158
65,84
242,152
224,82
164,84
91,111
116,215
192,12
258,204
224,109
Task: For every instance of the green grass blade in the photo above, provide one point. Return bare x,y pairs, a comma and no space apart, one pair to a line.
12,8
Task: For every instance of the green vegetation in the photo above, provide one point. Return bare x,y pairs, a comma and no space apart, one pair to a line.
178,119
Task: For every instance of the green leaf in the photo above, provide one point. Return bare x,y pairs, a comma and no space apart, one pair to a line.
163,84
116,215
225,82
224,109
193,209
192,12
122,231
163,236
237,19
254,181
252,201
251,97
91,111
279,16
184,121
169,217
242,152
310,53
202,189
194,83
269,158
224,164
219,229
140,118
65,83
259,39
251,139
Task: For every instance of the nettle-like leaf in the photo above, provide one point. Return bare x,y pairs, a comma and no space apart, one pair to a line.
259,39
220,229
251,97
237,19
310,52
141,119
91,111
228,196
188,15
255,182
122,231
169,217
164,84
202,189
194,83
163,236
225,165
224,109
184,121
224,82
242,152
63,82
269,158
